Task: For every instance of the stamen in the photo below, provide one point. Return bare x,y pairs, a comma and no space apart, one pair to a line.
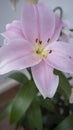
37,40
48,40
40,42
50,51
39,48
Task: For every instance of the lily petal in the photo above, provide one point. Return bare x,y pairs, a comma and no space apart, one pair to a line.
16,56
61,56
38,22
26,73
64,38
59,24
46,22
13,31
29,22
45,80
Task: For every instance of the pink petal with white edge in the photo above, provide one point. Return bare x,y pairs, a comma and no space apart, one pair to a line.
61,56
13,31
16,56
64,38
38,22
27,74
59,24
29,22
46,22
45,80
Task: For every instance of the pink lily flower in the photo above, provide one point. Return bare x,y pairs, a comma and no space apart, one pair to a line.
33,42
66,35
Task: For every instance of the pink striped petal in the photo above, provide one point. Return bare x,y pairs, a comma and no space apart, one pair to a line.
17,55
45,80
46,22
61,56
29,22
59,24
13,31
38,22
64,38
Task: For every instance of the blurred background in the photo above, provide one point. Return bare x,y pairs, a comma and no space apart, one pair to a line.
7,15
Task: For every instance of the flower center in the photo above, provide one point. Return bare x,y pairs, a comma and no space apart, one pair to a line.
40,49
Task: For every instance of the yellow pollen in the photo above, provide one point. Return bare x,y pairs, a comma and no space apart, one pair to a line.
44,54
39,48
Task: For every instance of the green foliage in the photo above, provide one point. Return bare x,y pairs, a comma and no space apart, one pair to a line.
7,110
64,87
47,103
18,76
66,124
33,112
22,101
34,117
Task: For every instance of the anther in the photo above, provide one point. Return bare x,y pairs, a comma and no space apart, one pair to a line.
40,42
48,40
50,51
37,40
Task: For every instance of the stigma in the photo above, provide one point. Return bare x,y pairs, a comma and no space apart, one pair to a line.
40,49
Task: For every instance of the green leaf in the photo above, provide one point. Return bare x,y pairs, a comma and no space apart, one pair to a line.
66,124
64,86
7,110
35,117
46,103
18,76
22,101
